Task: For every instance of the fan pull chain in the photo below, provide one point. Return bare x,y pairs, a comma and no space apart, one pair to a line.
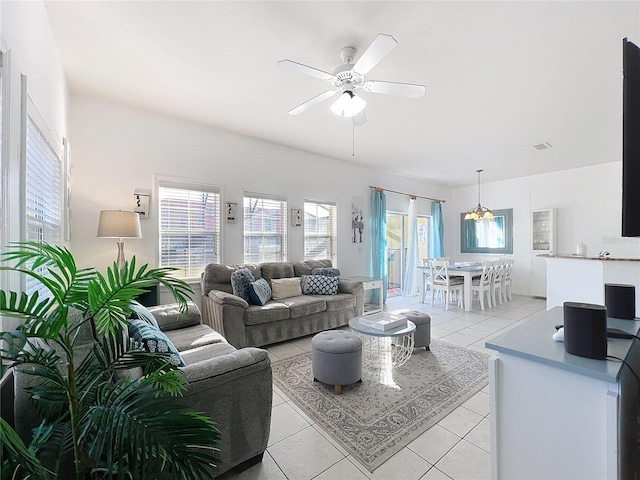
353,137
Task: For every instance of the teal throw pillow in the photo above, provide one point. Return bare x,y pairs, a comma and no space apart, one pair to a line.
153,340
140,312
259,292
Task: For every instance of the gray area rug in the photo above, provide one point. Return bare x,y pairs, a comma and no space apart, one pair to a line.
375,419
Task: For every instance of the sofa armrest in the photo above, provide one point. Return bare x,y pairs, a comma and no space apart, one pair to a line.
215,371
236,391
357,290
346,286
224,312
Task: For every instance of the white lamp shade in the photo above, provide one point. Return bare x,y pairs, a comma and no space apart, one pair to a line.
119,224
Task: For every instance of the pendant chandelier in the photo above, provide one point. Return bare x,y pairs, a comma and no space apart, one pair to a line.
478,212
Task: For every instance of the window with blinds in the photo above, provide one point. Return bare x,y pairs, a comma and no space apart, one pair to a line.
265,228
189,228
44,220
320,231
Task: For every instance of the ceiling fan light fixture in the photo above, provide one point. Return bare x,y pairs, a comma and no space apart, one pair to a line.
348,104
478,212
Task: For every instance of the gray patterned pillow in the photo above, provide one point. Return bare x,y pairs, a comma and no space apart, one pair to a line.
319,285
240,281
326,271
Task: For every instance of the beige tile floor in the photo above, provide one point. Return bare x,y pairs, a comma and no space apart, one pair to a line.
457,448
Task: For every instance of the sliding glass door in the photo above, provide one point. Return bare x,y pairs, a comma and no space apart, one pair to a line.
397,237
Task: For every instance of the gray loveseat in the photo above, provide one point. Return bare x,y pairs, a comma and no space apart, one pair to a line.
233,387
244,324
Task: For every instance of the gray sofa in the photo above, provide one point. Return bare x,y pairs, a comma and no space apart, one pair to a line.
246,325
233,387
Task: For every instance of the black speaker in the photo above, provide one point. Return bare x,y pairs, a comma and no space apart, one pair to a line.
585,329
620,300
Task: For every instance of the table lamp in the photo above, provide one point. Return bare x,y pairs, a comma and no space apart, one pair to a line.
119,224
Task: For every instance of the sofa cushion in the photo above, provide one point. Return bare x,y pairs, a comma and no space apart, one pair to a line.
240,281
341,301
271,312
153,340
306,267
304,305
169,316
218,277
285,288
319,285
326,271
271,270
259,292
206,352
192,337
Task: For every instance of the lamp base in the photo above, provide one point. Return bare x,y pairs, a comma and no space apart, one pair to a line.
120,259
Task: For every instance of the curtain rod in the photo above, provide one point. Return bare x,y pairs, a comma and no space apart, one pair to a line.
380,189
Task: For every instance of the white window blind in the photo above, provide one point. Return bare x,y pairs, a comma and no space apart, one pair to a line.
320,231
44,220
189,229
265,229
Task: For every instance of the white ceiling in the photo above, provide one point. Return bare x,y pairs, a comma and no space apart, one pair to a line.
500,76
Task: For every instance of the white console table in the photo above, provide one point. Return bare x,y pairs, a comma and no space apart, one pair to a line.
370,283
559,416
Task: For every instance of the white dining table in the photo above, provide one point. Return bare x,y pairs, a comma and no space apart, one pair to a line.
465,270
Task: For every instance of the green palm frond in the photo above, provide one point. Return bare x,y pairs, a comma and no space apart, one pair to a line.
20,461
144,426
22,305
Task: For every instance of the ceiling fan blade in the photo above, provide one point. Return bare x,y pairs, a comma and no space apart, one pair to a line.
310,103
392,88
305,69
359,119
375,52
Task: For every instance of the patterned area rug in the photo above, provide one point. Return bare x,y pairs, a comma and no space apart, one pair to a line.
375,419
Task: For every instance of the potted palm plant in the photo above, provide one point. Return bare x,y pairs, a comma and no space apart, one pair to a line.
98,420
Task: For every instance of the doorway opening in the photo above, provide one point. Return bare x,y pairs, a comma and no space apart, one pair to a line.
397,240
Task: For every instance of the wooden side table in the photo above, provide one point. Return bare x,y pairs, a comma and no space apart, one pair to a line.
370,283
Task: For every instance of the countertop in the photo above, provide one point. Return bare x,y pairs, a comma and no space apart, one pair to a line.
533,341
573,256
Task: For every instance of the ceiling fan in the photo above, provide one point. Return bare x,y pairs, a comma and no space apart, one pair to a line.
346,79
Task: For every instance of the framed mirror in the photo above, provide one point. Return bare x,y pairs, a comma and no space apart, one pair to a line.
490,235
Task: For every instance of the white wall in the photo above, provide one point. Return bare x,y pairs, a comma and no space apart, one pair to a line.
117,149
27,41
588,206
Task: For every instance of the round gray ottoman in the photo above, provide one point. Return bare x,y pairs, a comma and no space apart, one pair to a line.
422,336
336,358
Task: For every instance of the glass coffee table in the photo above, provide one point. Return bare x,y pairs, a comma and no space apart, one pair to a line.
385,348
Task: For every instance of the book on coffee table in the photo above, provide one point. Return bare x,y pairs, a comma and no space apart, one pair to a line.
383,321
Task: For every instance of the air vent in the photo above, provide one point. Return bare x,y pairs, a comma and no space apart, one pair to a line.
542,146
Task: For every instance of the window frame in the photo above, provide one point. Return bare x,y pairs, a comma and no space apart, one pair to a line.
181,184
332,237
283,234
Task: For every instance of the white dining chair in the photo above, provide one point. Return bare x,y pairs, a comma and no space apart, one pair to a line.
506,280
482,284
496,283
441,281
